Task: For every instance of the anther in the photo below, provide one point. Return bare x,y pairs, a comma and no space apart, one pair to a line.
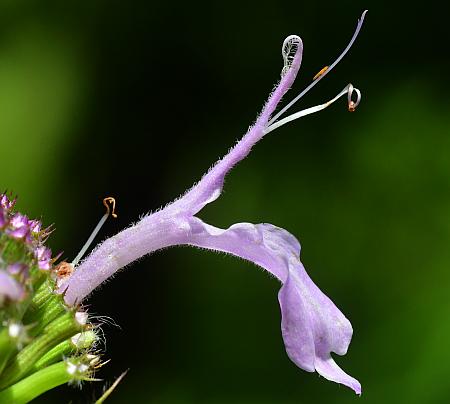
321,72
353,104
112,201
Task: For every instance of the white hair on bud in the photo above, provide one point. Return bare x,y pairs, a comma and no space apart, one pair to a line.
81,317
15,330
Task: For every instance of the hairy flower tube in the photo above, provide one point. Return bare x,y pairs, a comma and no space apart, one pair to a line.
312,326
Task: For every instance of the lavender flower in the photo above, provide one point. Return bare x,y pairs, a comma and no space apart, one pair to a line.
19,226
312,326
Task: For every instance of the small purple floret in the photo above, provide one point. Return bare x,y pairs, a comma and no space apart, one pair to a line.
19,227
18,268
3,218
6,203
35,226
43,255
10,288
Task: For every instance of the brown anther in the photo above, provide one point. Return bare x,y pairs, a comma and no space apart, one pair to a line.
322,71
64,269
351,106
112,201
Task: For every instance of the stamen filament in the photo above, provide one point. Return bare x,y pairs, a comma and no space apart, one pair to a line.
97,228
324,73
351,106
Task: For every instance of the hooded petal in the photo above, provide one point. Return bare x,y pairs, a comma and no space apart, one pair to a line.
312,325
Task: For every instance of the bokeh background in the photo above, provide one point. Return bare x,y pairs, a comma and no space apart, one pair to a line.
137,99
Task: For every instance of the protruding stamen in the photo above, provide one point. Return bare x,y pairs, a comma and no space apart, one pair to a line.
324,73
349,89
108,200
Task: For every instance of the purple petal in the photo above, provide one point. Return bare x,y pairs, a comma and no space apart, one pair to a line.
20,232
312,325
5,202
10,288
35,226
45,264
42,253
19,226
17,268
19,220
3,218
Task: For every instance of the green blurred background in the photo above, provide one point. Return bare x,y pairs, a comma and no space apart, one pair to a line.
137,99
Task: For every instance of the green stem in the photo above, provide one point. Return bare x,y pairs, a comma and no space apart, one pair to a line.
7,347
54,355
57,331
42,293
44,297
36,384
44,315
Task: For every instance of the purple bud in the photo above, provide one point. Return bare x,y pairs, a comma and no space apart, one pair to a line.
45,264
35,226
5,202
19,220
3,217
17,268
10,288
43,255
19,226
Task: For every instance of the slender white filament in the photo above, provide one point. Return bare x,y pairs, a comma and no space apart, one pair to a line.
90,239
347,90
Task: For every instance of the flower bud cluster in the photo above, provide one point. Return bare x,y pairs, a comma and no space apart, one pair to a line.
23,255
41,336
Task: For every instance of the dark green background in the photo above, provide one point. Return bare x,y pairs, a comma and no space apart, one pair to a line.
137,99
